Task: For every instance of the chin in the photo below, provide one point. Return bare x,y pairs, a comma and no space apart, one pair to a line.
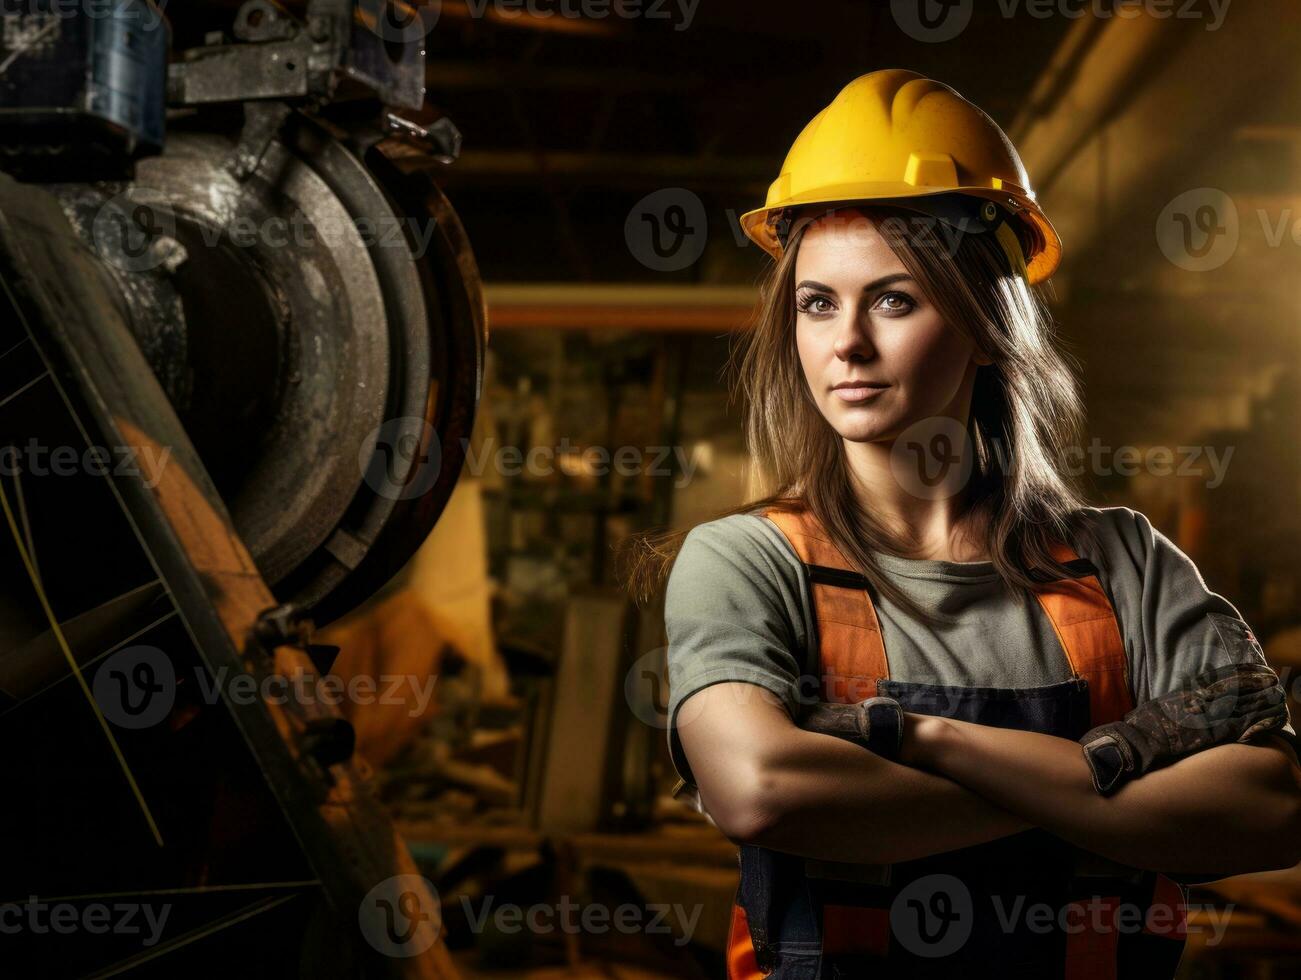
860,431
865,424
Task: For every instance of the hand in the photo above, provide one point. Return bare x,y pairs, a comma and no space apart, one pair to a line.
877,724
1226,704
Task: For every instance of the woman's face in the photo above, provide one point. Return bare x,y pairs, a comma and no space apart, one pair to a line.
860,317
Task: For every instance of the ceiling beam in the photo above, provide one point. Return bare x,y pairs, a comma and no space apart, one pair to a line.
619,306
489,76
1126,131
746,177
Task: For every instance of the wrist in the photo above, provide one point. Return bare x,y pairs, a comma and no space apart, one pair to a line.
883,726
1116,753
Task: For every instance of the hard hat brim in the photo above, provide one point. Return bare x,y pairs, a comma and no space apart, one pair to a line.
1043,254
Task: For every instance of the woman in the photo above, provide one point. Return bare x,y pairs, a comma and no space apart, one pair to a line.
957,720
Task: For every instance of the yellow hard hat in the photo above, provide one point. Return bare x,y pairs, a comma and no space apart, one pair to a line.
897,136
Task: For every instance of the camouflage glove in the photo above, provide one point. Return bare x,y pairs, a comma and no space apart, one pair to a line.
1226,704
874,723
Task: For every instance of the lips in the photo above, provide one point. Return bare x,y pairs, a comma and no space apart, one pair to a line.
858,392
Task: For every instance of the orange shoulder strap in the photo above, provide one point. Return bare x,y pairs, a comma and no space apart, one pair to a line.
851,650
851,653
1086,625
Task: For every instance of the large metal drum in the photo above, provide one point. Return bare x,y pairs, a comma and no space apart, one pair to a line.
315,317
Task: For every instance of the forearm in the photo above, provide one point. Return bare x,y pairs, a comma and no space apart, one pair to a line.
766,781
1230,809
826,798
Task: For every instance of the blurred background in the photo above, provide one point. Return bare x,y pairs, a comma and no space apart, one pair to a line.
605,161
606,164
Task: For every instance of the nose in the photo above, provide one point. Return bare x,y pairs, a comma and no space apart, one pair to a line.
853,339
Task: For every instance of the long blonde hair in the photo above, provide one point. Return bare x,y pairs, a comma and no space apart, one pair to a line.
1026,414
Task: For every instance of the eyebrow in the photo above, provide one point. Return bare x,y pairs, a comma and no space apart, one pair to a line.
871,287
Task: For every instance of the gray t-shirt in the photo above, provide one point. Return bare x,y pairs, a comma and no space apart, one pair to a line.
737,608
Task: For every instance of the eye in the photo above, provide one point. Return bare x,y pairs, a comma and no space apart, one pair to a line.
815,304
896,303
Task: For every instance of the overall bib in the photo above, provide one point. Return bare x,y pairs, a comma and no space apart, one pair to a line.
1026,905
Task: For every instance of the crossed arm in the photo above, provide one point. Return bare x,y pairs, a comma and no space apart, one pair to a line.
1226,810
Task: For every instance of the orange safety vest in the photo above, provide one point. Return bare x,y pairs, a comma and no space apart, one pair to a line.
853,659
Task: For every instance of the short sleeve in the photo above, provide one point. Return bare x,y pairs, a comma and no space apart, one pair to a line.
732,612
1173,625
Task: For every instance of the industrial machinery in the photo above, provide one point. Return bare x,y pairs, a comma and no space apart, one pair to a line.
240,357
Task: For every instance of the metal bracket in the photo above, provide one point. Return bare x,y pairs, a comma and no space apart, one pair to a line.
262,122
282,625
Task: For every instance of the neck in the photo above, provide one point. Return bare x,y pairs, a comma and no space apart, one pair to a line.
926,521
